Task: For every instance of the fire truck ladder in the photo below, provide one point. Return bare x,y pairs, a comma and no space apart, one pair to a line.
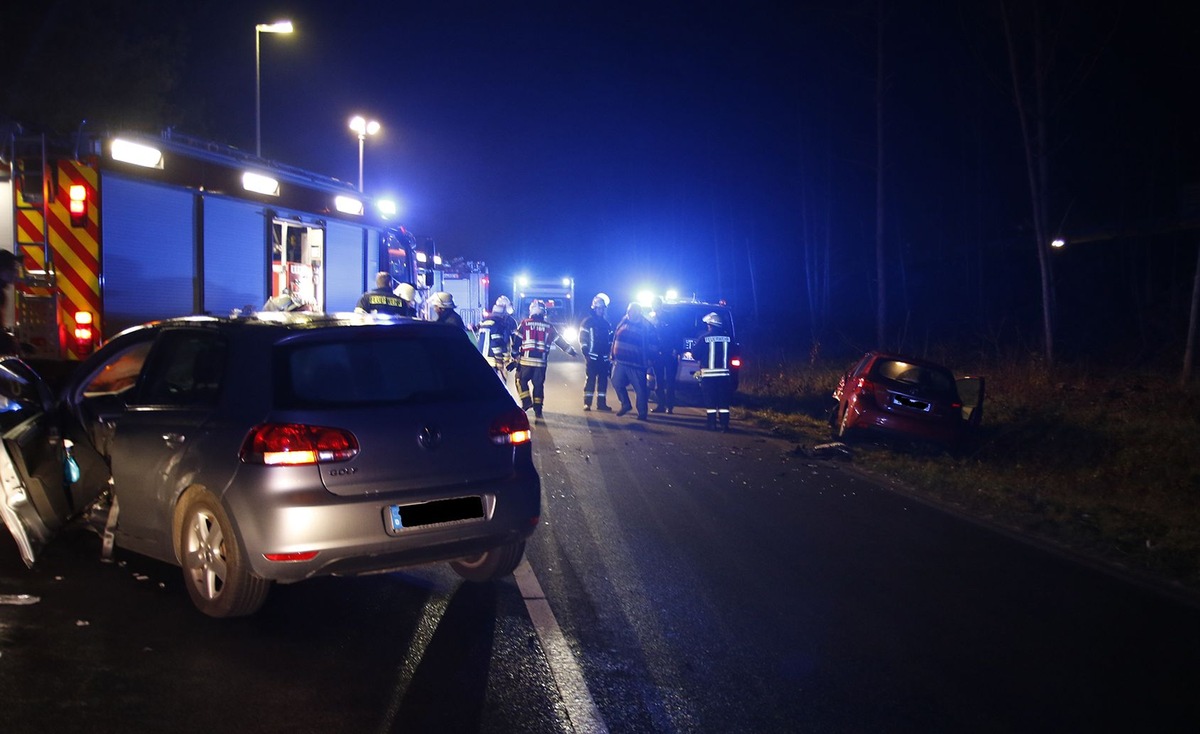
36,306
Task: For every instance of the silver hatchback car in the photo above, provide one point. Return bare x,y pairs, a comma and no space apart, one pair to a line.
274,448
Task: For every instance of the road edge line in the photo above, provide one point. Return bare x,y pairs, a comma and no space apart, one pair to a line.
568,676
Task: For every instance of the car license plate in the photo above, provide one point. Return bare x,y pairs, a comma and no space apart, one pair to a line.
436,512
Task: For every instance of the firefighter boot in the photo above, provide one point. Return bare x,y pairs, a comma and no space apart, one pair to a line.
602,405
725,422
712,420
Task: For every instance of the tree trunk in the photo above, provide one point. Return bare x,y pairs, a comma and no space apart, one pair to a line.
1036,164
880,260
1190,351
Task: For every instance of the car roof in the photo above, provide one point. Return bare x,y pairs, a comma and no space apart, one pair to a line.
291,321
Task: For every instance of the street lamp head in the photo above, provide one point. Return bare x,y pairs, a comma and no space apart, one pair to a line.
281,26
360,125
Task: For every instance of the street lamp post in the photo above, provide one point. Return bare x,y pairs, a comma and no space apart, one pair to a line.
283,26
360,125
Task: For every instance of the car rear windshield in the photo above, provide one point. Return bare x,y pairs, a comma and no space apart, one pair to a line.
400,369
929,379
685,321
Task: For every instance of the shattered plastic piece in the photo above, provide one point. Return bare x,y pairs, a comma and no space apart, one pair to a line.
19,600
835,450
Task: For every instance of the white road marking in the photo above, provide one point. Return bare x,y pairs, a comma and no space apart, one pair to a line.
581,709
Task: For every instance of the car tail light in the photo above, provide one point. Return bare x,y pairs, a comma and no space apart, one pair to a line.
736,363
294,443
864,388
512,428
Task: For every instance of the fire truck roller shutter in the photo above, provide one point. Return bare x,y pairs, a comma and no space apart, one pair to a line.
345,277
236,256
147,270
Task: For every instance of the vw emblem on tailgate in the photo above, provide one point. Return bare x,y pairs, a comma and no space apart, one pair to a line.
429,437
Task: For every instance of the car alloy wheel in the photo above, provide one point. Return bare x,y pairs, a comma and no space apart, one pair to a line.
214,567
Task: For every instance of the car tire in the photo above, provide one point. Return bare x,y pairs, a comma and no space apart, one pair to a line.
491,564
215,571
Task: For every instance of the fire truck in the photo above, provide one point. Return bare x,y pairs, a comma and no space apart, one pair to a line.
557,293
112,230
468,282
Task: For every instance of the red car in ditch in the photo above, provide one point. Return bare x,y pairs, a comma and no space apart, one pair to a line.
906,397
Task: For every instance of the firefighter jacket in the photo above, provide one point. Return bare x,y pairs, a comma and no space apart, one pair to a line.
533,339
495,335
711,350
595,338
631,343
382,300
451,317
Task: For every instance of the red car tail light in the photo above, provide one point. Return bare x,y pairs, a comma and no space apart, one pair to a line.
512,428
865,389
296,444
735,362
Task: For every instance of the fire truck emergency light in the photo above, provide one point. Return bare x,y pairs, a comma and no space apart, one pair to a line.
260,184
348,205
77,194
136,153
84,331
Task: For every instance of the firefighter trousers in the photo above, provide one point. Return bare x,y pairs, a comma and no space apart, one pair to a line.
717,392
595,385
531,387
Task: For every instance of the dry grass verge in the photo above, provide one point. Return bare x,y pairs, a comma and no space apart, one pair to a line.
1107,466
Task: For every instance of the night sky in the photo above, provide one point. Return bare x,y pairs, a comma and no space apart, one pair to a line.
715,146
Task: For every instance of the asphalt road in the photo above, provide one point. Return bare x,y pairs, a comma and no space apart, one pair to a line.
700,581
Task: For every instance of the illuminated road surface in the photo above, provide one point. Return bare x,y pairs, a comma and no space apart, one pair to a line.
681,581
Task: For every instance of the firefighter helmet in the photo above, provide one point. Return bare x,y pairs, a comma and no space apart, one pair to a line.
600,301
442,299
407,292
503,305
537,308
713,319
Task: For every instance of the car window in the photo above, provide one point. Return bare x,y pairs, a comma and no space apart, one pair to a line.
185,369
926,378
119,373
682,322
386,370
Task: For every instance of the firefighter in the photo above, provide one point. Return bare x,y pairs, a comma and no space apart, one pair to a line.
595,341
631,357
711,350
664,361
381,299
494,335
443,306
407,293
531,343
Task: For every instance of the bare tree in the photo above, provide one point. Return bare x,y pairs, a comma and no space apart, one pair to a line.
1033,137
880,253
